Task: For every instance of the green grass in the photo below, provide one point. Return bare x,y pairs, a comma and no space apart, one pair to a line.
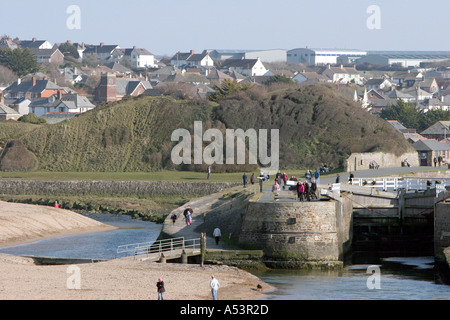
164,175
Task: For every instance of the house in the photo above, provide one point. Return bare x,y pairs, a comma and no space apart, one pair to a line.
435,104
140,57
7,113
200,60
428,84
33,88
215,76
103,52
53,55
246,67
180,58
396,94
429,149
118,69
406,79
58,103
112,88
188,77
35,44
7,43
378,84
310,77
439,131
343,74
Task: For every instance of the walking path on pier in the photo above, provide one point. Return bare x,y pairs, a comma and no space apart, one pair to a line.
329,179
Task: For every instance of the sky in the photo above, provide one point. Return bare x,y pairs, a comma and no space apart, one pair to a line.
166,27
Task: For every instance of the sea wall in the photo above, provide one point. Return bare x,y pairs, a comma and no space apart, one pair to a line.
304,232
123,188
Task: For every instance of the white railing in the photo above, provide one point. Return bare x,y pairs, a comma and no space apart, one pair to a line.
407,183
158,247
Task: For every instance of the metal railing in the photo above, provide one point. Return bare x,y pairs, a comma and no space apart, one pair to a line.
158,247
407,183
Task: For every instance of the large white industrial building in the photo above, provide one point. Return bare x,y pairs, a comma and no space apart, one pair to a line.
403,58
322,56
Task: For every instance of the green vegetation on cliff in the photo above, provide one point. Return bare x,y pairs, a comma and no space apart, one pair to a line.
316,125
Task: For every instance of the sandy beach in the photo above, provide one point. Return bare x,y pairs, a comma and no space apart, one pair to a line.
118,279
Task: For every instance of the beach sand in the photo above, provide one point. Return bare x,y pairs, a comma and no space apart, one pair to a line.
117,279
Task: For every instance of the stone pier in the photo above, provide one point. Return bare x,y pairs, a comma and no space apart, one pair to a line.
294,233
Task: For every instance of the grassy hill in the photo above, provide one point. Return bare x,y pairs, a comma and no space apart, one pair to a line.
316,125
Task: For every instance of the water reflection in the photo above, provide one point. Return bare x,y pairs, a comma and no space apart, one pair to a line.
99,245
401,278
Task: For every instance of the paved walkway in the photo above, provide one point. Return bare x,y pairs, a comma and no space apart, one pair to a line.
328,179
200,207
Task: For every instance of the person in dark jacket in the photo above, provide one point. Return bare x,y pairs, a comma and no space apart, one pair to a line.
244,178
160,289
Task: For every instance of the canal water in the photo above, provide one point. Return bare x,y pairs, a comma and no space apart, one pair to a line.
391,278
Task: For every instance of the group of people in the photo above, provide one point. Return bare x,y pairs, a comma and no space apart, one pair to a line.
306,190
214,285
245,179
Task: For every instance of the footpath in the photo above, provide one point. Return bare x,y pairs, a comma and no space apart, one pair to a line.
200,209
328,179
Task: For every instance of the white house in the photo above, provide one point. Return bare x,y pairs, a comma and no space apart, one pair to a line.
142,58
343,75
200,60
35,44
246,67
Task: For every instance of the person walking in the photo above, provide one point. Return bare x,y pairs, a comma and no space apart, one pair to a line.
217,234
350,178
160,288
252,178
276,190
317,176
173,217
209,171
244,178
189,218
300,190
435,161
306,184
214,284
338,179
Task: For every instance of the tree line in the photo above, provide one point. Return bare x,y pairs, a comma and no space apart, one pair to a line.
412,117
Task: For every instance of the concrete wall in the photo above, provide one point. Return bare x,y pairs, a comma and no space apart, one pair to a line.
361,161
299,230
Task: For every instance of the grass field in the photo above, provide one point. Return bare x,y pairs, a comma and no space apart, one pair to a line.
163,175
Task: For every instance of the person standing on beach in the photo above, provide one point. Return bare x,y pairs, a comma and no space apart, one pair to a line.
160,289
56,204
214,284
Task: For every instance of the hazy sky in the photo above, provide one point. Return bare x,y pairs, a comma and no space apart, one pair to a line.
165,27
